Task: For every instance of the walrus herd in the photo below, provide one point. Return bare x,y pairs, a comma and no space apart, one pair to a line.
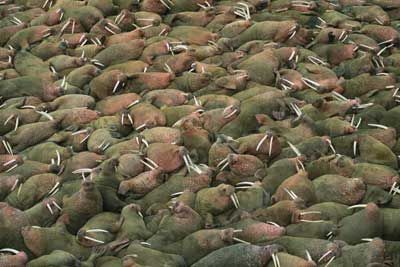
204,133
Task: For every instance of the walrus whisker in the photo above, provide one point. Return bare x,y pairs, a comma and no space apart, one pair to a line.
97,230
93,239
357,206
294,149
12,168
261,142
241,241
8,119
11,250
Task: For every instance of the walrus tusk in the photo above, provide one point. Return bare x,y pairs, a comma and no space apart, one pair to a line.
276,260
241,241
116,86
270,146
261,142
367,239
12,168
49,208
378,126
57,206
96,230
177,194
93,239
14,185
273,223
325,255
330,261
234,201
357,206
9,162
308,256
295,149
9,118
82,170
290,193
53,188
164,4
339,96
11,250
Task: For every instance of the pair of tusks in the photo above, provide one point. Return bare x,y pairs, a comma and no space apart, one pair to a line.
271,141
10,250
296,109
112,26
275,259
54,190
394,189
119,18
46,2
233,112
243,11
190,165
82,131
204,6
50,209
244,185
149,163
317,61
325,255
16,121
16,20
7,147
103,145
309,212
310,83
235,200
166,2
143,140
129,118
97,62
58,159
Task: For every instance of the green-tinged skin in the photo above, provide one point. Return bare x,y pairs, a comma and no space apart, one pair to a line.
310,229
313,148
277,173
374,151
131,224
316,247
331,211
176,226
237,255
153,258
282,212
336,188
368,172
332,164
105,221
368,254
286,259
367,223
32,191
253,198
44,152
